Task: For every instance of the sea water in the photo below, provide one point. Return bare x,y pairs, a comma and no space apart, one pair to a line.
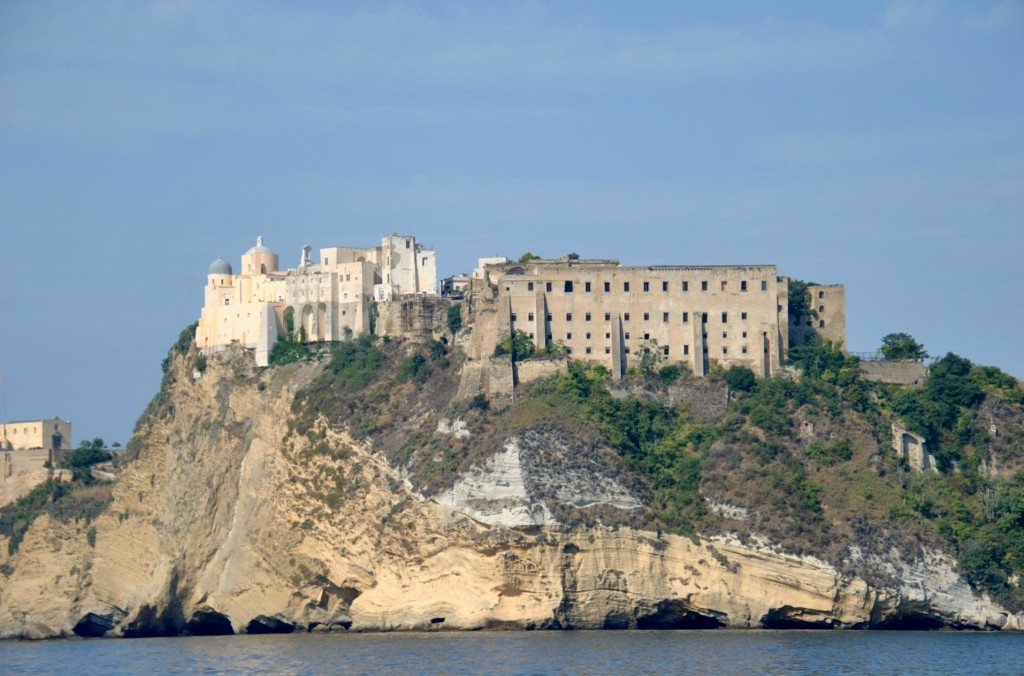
559,652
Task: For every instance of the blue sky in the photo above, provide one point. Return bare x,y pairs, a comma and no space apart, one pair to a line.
875,144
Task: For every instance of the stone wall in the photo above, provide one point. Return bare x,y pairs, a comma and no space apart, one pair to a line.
706,399
911,447
20,472
412,318
532,369
895,372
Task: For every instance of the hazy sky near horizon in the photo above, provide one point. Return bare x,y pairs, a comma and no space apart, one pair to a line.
875,144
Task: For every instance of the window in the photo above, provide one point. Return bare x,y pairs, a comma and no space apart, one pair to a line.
586,287
723,286
607,350
664,317
725,350
821,294
586,317
406,244
327,261
664,286
530,317
529,286
743,285
647,316
686,286
626,336
607,336
625,317
764,285
686,349
725,317
647,336
568,316
547,318
744,334
227,301
568,350
513,316
686,317
625,286
568,336
664,350
821,309
703,286
531,335
821,323
743,349
743,315
647,287
568,286
607,287
588,336
588,350
607,316
547,286
725,334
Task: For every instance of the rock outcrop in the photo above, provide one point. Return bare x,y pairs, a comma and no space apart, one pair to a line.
225,522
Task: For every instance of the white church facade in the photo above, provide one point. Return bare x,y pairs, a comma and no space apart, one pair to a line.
317,301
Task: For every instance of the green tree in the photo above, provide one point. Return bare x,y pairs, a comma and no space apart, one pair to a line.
799,300
527,257
454,319
899,346
518,345
740,378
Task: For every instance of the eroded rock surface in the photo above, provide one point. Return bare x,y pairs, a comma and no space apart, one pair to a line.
226,523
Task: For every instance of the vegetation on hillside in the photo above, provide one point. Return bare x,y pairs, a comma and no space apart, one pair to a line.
842,484
802,460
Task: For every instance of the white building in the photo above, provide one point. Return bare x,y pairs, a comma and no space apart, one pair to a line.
315,301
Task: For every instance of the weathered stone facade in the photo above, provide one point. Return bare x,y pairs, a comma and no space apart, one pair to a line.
895,372
613,315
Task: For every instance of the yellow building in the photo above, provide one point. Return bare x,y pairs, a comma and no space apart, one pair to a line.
47,434
246,308
695,315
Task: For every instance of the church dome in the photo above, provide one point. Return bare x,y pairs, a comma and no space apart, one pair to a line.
259,248
220,267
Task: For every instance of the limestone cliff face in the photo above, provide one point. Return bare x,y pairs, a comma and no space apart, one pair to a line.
226,523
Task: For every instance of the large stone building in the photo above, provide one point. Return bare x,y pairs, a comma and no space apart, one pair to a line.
316,301
614,315
47,434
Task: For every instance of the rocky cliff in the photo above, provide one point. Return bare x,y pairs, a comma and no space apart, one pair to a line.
236,516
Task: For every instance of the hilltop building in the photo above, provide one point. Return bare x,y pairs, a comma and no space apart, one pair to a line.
615,315
47,434
315,301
